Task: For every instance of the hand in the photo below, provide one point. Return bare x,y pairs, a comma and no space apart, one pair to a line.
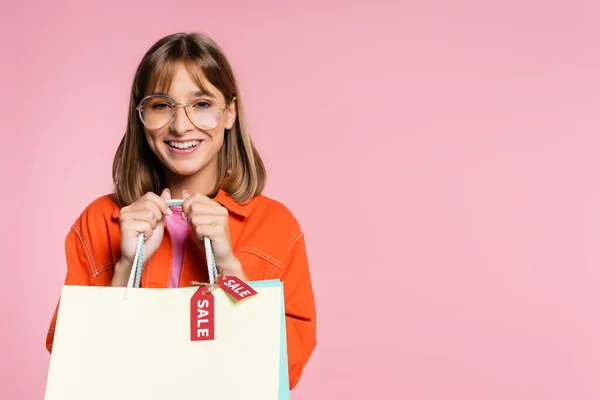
145,215
210,219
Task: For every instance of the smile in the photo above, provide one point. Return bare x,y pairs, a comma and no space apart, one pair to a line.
184,145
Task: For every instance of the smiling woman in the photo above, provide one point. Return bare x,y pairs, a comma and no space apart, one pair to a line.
187,142
193,74
186,138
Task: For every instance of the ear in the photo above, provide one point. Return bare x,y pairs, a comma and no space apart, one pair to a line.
231,114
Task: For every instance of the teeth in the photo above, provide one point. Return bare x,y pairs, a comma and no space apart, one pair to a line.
184,145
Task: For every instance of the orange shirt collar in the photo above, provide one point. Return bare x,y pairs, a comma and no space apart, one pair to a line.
230,204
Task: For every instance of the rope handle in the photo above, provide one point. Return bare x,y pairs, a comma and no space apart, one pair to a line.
135,276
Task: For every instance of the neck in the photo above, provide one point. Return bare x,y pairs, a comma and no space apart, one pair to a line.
202,182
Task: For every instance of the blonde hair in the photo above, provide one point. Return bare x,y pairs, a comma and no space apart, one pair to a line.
136,170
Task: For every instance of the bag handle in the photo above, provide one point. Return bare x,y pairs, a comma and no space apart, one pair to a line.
135,276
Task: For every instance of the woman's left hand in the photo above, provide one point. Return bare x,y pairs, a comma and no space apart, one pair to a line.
210,219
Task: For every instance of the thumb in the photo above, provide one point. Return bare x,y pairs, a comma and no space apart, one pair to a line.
166,194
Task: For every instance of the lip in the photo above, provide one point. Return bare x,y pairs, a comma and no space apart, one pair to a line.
182,140
183,151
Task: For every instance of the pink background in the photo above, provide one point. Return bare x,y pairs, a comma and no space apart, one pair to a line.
442,157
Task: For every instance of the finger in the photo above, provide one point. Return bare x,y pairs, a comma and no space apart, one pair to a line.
209,231
143,215
166,195
145,211
151,206
203,219
151,198
144,227
197,198
187,201
160,201
216,214
185,205
137,227
207,209
158,205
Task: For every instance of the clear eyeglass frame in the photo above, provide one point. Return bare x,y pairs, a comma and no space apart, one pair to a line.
174,105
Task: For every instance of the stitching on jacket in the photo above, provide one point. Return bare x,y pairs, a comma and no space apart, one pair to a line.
294,239
262,255
271,272
88,251
104,267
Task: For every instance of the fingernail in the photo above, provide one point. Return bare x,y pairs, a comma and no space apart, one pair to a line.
169,212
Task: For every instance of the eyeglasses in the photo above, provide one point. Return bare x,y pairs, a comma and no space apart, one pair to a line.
157,110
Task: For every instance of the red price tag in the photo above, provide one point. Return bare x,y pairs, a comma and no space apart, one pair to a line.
235,287
202,315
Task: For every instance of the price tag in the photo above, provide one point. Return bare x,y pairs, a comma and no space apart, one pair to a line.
235,287
202,315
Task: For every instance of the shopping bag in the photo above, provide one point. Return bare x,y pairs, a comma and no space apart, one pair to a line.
135,343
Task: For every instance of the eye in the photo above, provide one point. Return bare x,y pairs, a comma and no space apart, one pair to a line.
201,104
161,106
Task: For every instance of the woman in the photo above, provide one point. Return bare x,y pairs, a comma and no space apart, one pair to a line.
186,139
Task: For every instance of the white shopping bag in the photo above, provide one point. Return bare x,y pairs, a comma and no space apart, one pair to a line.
135,343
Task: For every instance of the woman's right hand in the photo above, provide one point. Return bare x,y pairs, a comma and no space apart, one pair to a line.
146,215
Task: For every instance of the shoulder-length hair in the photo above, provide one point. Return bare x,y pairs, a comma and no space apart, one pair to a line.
136,170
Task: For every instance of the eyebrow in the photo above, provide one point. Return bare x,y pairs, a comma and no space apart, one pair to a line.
198,93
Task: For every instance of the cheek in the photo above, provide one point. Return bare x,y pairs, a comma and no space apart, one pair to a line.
153,138
216,134
218,138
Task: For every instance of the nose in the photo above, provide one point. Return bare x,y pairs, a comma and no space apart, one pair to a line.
180,123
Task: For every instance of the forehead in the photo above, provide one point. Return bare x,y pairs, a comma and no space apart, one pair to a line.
179,80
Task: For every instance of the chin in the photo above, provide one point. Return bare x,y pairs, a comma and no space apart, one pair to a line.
185,170
187,165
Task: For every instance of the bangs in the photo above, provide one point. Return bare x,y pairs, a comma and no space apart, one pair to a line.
160,80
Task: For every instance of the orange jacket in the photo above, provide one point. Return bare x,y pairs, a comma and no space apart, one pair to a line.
265,236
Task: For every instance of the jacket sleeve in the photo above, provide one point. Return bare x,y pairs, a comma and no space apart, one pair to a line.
300,310
78,266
